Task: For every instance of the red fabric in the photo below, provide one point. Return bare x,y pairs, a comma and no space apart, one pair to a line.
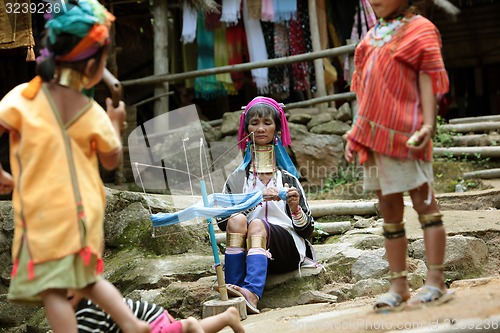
298,46
236,39
386,83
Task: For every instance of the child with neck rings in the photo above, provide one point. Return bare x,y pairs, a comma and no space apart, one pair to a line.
273,237
399,75
57,135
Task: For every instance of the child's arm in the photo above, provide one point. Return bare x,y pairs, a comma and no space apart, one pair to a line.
6,181
428,100
117,117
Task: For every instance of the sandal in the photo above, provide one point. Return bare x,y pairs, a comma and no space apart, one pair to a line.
389,302
231,291
430,295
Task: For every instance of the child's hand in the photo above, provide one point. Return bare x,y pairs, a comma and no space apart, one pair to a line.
349,153
117,115
6,182
422,139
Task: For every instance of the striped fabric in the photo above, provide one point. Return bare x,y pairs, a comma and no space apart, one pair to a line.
91,318
386,83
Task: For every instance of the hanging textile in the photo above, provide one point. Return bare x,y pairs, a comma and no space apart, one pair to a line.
189,18
267,14
16,31
364,19
256,49
284,10
231,11
236,38
206,87
212,19
278,81
221,59
219,206
254,8
298,46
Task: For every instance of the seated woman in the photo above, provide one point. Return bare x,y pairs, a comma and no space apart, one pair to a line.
273,236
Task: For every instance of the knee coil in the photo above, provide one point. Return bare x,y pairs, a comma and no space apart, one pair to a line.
256,241
430,220
394,230
235,240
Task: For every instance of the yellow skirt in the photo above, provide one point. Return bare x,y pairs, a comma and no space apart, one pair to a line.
66,273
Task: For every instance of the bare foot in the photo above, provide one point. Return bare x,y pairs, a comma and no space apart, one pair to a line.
233,320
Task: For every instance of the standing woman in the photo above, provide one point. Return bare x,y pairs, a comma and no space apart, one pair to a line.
399,74
273,236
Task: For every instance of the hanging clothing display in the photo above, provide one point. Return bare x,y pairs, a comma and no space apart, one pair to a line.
256,49
231,11
206,87
189,20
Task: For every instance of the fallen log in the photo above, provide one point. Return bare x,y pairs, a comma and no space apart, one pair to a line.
476,140
483,174
467,120
344,208
472,127
457,151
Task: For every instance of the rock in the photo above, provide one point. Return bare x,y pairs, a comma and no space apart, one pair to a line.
369,287
464,255
302,118
230,123
319,119
344,113
370,264
314,296
334,127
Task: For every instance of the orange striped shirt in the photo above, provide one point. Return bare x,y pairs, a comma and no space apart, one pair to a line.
386,83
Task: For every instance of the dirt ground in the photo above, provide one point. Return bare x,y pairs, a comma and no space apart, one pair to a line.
475,306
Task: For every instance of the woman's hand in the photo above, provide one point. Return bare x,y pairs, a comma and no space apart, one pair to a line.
349,153
292,198
271,194
422,139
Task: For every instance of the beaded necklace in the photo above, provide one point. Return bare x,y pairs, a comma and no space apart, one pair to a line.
384,30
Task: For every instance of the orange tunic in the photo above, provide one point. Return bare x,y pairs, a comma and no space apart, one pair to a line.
58,197
386,83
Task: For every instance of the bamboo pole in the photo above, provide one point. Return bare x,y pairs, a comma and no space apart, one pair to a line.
483,174
472,127
474,119
160,28
476,140
344,208
483,151
335,97
160,78
316,45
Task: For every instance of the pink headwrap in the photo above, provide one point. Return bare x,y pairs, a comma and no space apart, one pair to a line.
285,132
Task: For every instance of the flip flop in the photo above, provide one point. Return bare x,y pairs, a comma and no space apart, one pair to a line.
231,291
389,302
430,295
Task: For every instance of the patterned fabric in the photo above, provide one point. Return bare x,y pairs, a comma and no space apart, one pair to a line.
254,8
385,81
91,318
46,213
278,75
300,43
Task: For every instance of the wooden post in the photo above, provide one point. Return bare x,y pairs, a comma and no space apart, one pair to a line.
160,28
316,44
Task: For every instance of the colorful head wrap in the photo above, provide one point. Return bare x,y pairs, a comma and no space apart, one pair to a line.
87,19
282,158
285,132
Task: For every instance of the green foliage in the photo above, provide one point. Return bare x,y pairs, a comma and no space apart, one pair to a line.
351,174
